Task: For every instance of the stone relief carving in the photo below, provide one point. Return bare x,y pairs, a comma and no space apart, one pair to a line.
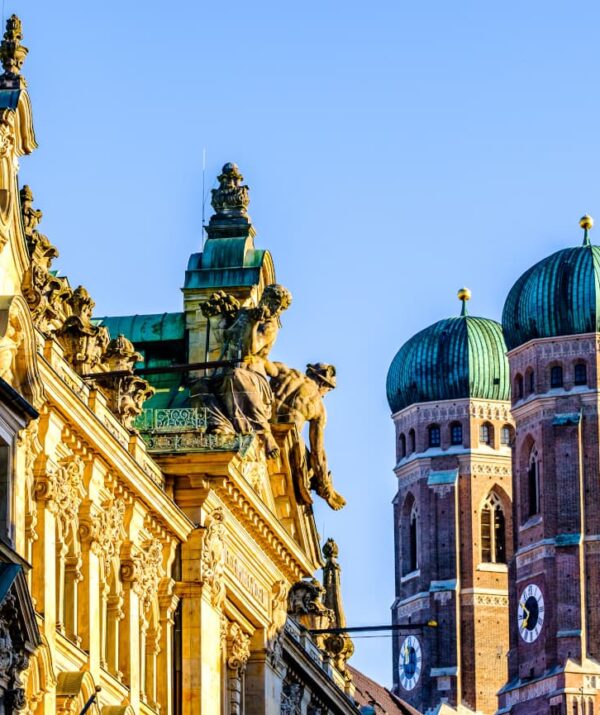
213,556
126,392
30,447
238,648
14,658
298,400
291,698
106,533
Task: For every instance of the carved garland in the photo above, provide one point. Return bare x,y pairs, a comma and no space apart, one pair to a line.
213,556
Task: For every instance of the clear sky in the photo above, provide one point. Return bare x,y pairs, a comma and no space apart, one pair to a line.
394,151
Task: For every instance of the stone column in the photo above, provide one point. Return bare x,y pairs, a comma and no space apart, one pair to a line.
168,604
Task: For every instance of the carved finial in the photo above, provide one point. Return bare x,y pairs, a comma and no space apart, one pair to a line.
339,646
464,295
121,355
330,550
31,216
13,53
586,222
230,202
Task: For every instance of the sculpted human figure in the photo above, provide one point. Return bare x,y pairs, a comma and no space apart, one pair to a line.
299,399
239,398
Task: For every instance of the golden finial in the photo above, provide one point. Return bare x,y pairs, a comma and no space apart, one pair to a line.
464,294
586,222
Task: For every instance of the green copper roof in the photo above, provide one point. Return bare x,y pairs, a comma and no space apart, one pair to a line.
558,296
451,359
226,262
146,328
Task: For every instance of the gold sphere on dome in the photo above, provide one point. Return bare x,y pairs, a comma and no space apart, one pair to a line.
586,222
464,294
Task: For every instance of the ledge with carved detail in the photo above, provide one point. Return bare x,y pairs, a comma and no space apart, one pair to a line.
183,429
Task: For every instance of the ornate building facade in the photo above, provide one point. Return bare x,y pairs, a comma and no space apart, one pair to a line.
157,541
513,561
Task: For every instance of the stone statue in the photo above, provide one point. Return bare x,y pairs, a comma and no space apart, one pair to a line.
299,399
239,397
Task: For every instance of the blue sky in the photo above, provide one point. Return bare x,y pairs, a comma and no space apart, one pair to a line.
395,151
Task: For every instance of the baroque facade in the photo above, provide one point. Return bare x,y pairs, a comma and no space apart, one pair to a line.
497,518
157,540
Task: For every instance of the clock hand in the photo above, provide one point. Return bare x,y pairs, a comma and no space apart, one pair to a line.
525,620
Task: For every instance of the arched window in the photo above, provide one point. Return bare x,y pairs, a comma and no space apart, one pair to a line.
409,526
519,387
590,707
506,435
414,537
533,484
456,433
402,446
411,441
580,374
493,531
556,376
486,434
435,436
530,379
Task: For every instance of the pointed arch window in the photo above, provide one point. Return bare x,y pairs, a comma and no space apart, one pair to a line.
493,531
519,387
414,538
533,484
411,441
410,535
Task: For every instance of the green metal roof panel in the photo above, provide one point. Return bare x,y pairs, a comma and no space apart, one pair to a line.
451,359
146,328
225,278
447,476
557,296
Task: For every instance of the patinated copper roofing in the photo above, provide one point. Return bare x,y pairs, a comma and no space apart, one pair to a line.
451,359
557,296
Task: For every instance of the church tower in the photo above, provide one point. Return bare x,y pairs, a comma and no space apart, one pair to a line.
448,389
551,323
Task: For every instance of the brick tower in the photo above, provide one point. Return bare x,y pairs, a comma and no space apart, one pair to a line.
448,389
551,325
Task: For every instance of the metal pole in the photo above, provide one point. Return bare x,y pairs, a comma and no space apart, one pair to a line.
91,701
363,629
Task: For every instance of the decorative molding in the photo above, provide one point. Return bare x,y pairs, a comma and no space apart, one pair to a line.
213,556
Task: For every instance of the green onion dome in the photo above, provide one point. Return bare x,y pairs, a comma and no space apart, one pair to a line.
560,295
450,360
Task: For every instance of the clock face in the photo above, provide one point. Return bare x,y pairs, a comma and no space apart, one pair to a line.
409,665
530,613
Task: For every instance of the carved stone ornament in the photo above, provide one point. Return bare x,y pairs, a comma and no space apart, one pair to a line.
84,343
238,650
338,646
105,532
305,604
7,132
291,698
12,54
232,197
213,556
61,486
30,447
144,571
275,630
127,392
